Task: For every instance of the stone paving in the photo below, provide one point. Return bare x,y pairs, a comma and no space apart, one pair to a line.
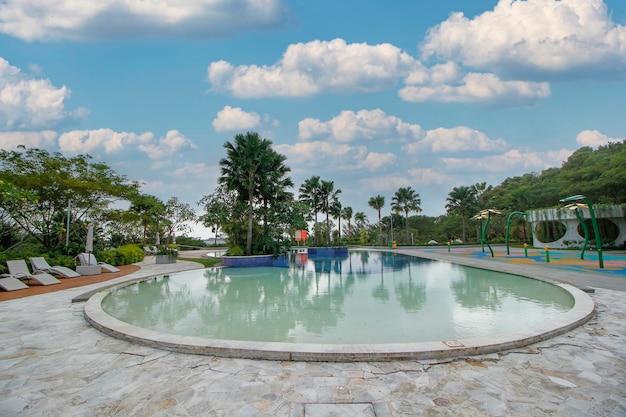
52,363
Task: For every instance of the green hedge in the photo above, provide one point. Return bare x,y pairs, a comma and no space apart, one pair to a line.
26,254
124,255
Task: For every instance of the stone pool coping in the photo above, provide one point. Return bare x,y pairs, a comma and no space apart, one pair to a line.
582,311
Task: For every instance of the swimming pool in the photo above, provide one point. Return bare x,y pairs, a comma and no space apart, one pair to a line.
366,305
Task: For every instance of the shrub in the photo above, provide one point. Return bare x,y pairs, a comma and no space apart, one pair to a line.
235,251
123,255
12,254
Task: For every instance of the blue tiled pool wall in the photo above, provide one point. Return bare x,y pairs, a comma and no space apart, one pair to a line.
282,261
332,252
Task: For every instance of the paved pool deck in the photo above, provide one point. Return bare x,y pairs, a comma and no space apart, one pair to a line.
52,363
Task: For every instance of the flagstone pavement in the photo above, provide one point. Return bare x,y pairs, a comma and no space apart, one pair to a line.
52,363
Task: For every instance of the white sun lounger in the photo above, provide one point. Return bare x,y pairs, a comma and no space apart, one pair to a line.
90,259
40,264
18,269
9,283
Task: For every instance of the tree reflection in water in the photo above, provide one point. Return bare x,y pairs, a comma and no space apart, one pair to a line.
395,297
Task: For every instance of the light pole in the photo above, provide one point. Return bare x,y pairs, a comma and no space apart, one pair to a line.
594,223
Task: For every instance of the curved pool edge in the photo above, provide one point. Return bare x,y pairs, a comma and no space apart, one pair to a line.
582,311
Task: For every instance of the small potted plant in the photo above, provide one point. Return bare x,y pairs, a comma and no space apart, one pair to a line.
166,255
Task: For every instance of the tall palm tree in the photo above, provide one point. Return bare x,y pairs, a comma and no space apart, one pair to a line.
250,165
336,212
310,195
461,200
377,203
346,213
329,196
273,185
406,200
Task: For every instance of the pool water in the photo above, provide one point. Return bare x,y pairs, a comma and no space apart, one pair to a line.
364,298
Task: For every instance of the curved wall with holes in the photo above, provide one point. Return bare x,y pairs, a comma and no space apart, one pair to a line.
558,228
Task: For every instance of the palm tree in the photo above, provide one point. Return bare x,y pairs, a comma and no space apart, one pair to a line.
377,203
329,196
482,193
361,219
346,213
252,168
336,212
310,195
406,200
273,185
461,200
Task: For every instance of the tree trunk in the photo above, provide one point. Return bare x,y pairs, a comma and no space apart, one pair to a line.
406,225
250,213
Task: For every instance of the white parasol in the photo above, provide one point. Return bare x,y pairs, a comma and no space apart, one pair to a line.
89,242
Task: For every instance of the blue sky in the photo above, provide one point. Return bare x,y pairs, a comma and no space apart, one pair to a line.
373,95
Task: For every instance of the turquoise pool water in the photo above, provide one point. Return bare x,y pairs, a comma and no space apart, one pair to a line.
365,298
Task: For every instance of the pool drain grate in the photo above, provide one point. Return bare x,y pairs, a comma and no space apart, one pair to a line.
340,410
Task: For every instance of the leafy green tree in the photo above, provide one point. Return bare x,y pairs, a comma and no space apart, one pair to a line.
218,209
462,201
253,170
406,200
177,216
122,226
55,181
377,203
597,174
149,210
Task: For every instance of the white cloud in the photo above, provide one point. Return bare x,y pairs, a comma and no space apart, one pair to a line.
27,103
457,139
309,68
306,69
234,118
427,176
11,140
388,183
167,146
323,154
375,161
364,124
511,161
202,172
89,141
593,138
93,19
543,36
477,88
